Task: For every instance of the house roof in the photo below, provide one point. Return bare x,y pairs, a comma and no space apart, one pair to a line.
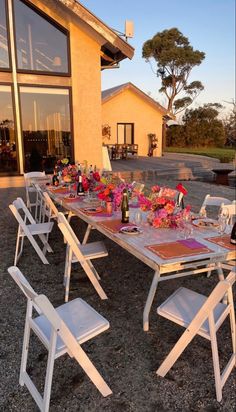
114,48
114,91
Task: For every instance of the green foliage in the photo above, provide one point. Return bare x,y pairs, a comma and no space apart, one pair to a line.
200,128
224,155
230,128
175,59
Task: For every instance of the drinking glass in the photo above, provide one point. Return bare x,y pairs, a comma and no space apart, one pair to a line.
138,217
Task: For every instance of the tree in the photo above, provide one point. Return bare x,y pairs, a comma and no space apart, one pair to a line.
175,59
201,127
230,126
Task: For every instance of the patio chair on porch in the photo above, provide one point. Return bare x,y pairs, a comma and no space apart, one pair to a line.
203,316
61,330
29,228
83,254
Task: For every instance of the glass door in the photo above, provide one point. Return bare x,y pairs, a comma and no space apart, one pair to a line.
46,126
125,133
8,148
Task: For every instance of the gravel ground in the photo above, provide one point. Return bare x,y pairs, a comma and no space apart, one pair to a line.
126,356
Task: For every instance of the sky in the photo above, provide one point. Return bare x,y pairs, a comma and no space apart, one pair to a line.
209,26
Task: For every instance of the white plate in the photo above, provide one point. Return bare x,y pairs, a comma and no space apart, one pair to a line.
130,230
206,223
92,209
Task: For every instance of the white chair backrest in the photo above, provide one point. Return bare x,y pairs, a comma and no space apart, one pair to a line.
23,284
51,209
229,211
30,175
18,205
70,236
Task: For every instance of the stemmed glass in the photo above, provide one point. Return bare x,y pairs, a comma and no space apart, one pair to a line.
222,222
187,226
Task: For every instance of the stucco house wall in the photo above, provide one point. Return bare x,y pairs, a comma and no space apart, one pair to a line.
128,107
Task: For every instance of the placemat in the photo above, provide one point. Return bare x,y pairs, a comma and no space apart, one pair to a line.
114,225
72,199
101,213
222,241
178,249
62,190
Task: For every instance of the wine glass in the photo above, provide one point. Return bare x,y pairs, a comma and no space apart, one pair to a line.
222,222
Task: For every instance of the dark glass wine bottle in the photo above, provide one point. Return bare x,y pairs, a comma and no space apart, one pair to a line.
55,179
80,189
233,235
125,207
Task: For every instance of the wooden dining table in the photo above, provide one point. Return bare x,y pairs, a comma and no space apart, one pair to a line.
164,250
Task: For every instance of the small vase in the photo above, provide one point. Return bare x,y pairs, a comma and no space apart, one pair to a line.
109,207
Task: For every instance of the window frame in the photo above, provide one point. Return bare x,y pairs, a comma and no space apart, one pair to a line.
7,69
132,132
69,88
57,26
15,173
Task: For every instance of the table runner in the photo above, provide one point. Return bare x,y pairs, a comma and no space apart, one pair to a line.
179,249
222,241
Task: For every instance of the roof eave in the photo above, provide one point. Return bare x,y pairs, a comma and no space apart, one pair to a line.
125,49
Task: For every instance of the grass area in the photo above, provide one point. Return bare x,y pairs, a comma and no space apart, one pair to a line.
223,154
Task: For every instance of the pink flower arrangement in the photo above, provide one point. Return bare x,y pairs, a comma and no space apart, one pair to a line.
162,206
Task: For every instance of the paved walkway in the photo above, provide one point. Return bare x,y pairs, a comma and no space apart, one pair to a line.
179,166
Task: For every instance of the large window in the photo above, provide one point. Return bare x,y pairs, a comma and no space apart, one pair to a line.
8,157
4,52
46,126
125,133
41,45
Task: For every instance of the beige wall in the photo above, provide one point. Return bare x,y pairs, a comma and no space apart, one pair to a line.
86,89
128,107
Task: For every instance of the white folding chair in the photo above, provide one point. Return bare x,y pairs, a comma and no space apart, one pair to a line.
50,209
61,330
212,201
228,210
29,230
203,316
31,190
83,254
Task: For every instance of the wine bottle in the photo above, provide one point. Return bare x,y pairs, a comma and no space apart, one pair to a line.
233,235
125,207
55,179
80,189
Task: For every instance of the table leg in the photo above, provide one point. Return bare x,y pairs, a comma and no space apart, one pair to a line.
220,272
149,301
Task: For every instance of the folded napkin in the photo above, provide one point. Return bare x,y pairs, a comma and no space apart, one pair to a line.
191,243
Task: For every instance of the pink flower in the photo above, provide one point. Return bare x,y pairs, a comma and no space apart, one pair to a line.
169,207
162,213
155,189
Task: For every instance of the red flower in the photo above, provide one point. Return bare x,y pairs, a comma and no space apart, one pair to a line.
181,189
96,176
